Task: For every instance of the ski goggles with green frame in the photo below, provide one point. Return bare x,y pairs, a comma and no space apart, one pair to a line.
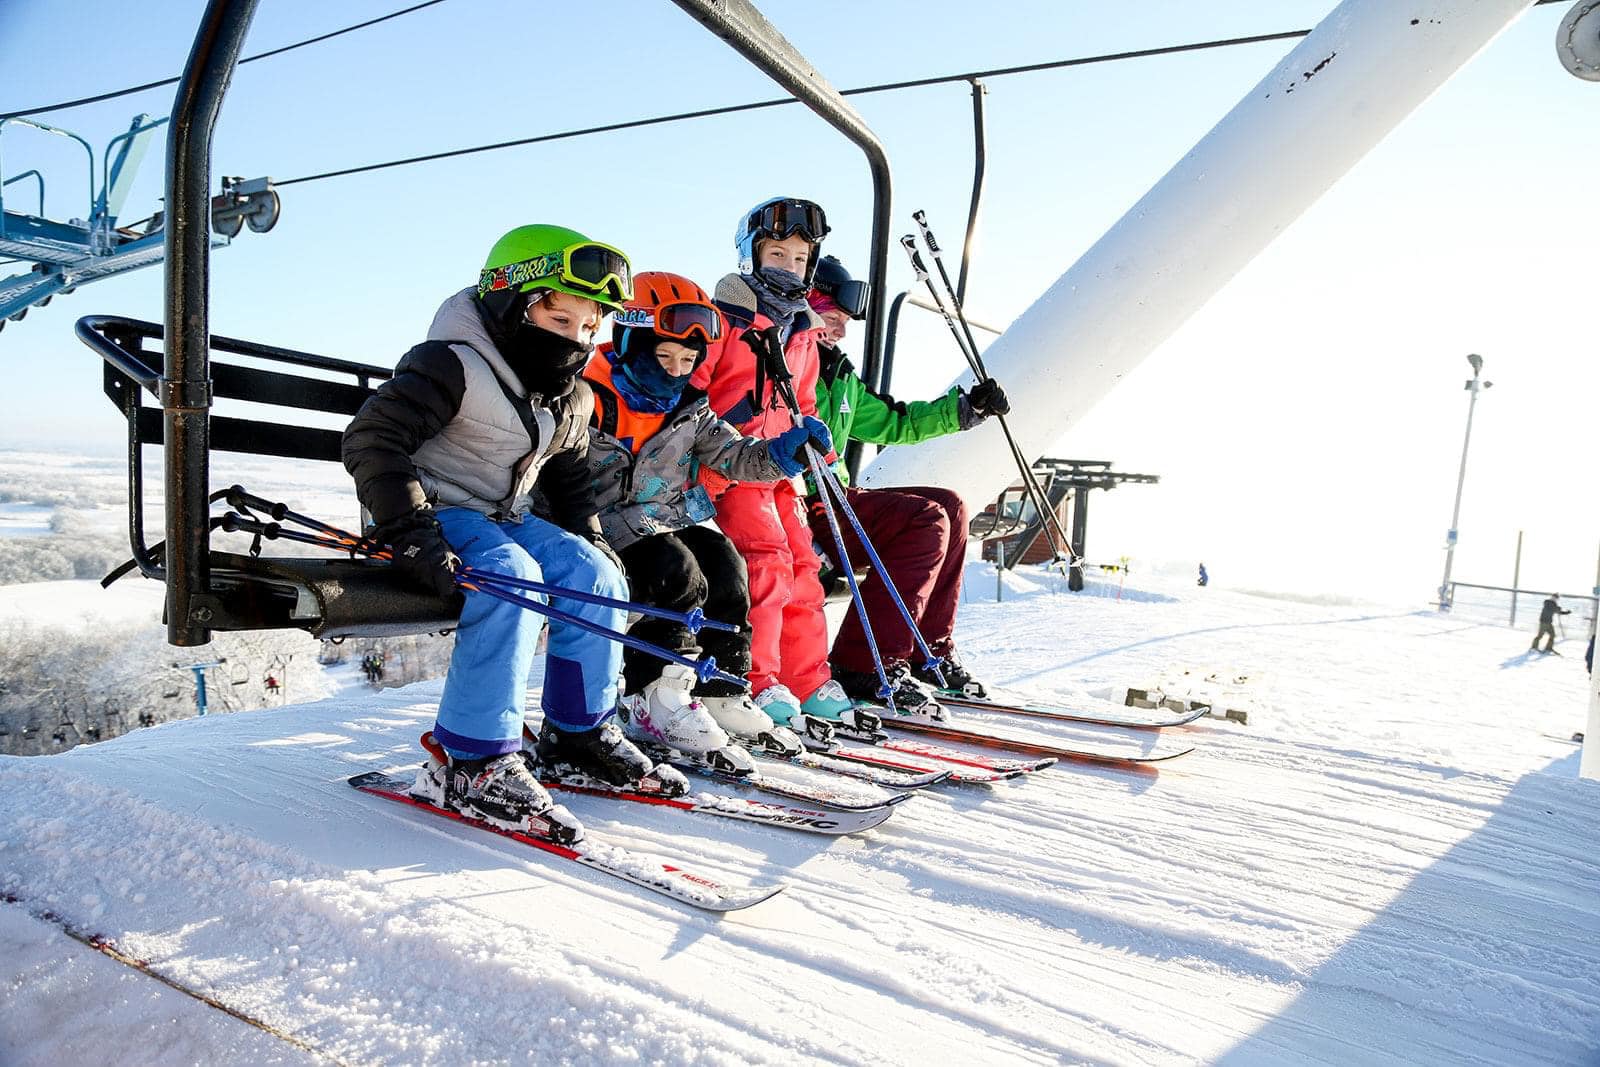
588,269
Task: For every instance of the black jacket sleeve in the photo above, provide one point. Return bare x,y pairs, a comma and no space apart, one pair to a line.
408,409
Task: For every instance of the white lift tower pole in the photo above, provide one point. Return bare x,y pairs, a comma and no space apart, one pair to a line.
1367,66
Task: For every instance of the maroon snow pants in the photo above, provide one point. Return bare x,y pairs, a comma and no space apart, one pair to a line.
921,535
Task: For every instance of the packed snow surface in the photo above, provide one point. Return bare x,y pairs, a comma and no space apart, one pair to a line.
1393,862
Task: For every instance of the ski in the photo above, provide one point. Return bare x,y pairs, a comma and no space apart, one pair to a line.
642,870
899,776
1111,716
1156,752
838,799
808,820
963,772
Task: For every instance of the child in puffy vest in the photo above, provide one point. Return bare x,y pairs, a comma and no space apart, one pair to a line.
446,455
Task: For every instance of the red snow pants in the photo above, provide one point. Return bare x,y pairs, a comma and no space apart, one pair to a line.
920,533
789,639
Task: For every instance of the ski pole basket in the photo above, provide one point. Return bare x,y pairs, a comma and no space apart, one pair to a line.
329,598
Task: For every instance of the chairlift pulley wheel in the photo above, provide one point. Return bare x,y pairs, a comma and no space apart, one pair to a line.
1578,40
228,225
264,211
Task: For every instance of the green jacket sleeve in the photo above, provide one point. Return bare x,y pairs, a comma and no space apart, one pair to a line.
880,419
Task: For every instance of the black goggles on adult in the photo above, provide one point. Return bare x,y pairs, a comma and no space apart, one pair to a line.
785,218
851,296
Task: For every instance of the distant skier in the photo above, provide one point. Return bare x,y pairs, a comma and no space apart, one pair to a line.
445,455
1205,579
920,532
1547,623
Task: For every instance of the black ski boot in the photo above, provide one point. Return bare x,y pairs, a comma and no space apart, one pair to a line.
859,685
603,753
958,680
499,790
911,697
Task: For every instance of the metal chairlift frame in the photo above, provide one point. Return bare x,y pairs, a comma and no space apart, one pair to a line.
65,255
206,590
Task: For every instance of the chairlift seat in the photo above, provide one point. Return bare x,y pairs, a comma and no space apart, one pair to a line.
331,598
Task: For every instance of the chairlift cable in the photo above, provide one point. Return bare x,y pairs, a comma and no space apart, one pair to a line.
731,109
247,59
883,87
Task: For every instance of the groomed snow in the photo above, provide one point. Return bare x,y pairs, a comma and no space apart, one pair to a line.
1394,862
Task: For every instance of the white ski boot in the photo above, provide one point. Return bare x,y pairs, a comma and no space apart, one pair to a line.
738,715
667,713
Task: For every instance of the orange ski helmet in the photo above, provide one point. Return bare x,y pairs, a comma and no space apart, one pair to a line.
665,307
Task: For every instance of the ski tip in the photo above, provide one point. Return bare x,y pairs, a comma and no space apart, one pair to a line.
748,897
370,779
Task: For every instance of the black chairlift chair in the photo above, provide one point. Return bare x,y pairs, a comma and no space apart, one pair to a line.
330,598
209,589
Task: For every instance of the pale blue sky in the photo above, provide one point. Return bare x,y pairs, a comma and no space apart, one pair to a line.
1307,423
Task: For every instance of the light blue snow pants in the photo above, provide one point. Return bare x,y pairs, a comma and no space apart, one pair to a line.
481,711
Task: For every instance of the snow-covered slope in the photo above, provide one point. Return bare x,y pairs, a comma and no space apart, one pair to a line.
1394,862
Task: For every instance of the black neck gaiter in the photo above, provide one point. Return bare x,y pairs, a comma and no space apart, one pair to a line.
545,362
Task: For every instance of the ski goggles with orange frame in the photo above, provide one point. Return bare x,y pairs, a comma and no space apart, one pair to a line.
677,321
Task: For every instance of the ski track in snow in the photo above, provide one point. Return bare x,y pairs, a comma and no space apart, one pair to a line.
1393,863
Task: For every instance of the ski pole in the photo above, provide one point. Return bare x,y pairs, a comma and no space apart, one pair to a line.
1030,484
240,497
932,663
704,668
695,620
982,372
769,352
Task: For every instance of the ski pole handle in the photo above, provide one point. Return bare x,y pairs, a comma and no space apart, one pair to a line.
909,243
921,218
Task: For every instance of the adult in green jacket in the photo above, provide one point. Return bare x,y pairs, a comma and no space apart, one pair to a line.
919,532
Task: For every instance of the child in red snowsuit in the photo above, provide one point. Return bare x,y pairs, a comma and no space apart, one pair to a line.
778,243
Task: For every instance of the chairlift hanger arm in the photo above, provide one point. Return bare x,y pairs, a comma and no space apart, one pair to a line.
748,32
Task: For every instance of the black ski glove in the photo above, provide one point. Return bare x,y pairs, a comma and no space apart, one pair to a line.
598,540
420,551
987,398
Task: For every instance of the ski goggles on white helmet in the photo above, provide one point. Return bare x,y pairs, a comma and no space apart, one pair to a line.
785,218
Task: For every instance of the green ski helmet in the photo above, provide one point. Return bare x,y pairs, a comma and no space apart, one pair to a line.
552,257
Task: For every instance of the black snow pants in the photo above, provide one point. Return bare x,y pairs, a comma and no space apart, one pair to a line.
692,568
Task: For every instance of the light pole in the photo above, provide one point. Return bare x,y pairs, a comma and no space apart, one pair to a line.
1474,384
